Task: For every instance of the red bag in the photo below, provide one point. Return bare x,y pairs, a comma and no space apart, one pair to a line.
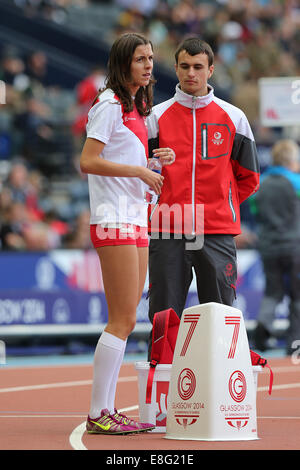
257,360
164,335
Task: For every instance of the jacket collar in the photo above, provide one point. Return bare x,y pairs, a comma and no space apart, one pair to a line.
194,102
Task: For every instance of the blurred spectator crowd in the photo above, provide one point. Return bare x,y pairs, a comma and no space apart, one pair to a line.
43,195
250,38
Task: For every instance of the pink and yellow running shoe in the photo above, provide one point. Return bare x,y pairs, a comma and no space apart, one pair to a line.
107,424
139,427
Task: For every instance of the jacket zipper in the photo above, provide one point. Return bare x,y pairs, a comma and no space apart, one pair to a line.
194,164
231,204
204,142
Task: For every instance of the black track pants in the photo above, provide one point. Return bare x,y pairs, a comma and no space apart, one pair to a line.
170,272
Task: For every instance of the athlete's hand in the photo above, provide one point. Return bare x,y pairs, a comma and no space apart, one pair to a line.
166,155
152,179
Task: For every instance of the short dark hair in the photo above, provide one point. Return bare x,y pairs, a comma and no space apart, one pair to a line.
195,46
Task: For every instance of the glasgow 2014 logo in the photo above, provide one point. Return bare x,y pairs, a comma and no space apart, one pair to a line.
237,386
186,384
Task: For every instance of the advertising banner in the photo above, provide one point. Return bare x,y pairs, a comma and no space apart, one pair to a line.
279,100
65,287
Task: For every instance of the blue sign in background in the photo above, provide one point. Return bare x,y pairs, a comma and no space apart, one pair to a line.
65,287
57,307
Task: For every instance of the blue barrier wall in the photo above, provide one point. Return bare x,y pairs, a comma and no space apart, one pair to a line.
64,287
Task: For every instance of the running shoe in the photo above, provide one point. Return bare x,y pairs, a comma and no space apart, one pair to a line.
139,427
107,424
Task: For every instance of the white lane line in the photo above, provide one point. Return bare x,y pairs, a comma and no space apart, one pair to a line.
279,387
42,416
78,383
45,386
75,383
77,434
278,417
284,369
132,407
75,438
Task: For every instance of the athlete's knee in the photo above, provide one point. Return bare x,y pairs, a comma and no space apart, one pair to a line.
124,325
129,325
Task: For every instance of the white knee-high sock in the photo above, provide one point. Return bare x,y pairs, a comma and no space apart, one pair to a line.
113,385
107,356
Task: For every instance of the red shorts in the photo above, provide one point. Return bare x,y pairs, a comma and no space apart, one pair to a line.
126,234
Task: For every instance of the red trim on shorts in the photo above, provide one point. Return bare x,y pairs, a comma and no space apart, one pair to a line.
127,235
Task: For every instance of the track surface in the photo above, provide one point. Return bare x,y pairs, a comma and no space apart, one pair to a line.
45,408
